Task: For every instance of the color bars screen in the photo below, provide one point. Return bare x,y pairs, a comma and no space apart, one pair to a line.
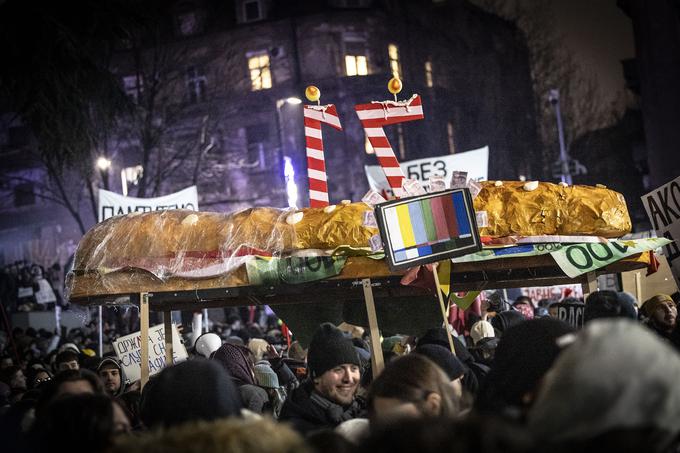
428,228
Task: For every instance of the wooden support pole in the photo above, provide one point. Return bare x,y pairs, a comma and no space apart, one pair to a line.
144,336
590,284
377,360
638,288
167,321
440,296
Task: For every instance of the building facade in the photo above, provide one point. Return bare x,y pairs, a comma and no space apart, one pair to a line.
218,95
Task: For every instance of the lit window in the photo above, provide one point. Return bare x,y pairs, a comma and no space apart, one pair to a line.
402,143
368,147
260,73
195,82
428,74
133,86
356,62
449,133
395,66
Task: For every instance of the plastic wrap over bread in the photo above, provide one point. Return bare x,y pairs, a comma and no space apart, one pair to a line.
541,208
191,244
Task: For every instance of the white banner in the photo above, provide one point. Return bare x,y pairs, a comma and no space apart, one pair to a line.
663,209
557,292
129,352
475,163
113,204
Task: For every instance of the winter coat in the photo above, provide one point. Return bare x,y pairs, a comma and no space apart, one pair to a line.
307,415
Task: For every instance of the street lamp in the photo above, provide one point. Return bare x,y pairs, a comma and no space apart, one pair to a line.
287,161
554,98
103,164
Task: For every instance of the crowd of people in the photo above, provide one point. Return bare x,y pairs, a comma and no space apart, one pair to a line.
515,380
26,286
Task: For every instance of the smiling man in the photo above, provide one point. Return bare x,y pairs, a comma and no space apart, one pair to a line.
328,397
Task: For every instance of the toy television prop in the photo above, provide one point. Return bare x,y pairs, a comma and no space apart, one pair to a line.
428,228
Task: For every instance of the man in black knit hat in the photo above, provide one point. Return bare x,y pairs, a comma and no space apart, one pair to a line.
328,397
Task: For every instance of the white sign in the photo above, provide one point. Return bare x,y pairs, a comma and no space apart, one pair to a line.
45,293
129,352
557,292
475,163
113,204
663,208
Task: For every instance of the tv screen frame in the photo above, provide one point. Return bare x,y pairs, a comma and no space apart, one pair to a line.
395,258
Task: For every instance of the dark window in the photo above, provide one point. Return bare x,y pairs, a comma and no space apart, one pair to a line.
24,195
257,137
252,10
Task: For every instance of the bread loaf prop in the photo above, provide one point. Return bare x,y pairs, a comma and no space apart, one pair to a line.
201,244
542,208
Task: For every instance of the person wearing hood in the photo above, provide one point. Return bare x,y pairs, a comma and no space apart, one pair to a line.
237,361
328,398
112,374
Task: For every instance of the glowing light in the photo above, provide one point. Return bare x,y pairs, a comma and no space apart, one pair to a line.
103,163
294,101
291,187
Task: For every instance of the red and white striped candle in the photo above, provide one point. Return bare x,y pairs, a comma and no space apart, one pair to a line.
316,165
374,117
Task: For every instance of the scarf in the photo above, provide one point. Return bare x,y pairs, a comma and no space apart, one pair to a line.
335,412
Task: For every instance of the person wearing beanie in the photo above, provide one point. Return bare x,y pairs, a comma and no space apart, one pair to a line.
481,329
475,372
525,353
449,363
112,374
267,378
609,304
189,391
662,317
328,397
505,320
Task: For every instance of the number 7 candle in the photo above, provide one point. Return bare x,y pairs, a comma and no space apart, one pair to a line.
314,115
377,114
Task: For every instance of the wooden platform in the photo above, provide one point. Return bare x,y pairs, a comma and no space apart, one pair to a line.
197,294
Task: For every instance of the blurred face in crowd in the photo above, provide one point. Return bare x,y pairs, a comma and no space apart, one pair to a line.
70,365
110,374
121,423
77,387
40,377
18,380
339,384
665,315
388,410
